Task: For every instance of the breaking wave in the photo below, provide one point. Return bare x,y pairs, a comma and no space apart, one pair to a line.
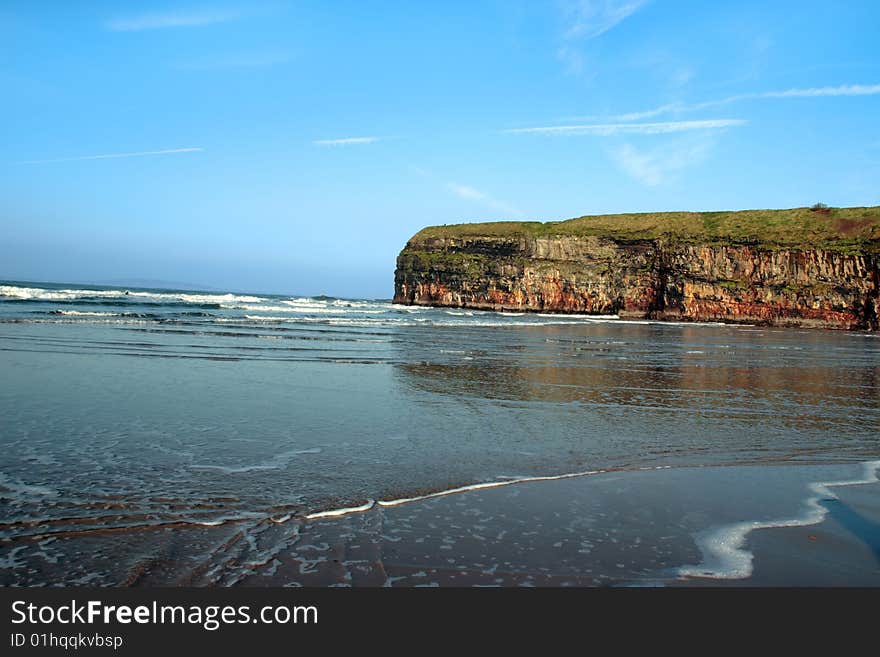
20,303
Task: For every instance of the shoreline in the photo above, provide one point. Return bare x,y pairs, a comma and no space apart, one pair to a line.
641,318
639,527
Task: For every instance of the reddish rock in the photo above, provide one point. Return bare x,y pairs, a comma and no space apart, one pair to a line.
643,279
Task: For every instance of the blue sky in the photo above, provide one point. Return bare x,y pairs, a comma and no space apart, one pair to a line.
294,147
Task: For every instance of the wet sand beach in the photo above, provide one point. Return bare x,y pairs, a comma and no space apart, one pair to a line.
160,437
810,525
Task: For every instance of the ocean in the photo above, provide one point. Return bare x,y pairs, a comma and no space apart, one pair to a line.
156,436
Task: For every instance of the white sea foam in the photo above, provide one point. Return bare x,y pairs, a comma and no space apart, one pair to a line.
306,310
353,303
508,481
17,292
336,306
251,318
476,320
335,513
216,522
430,322
199,298
120,320
337,312
277,462
485,485
725,555
25,490
575,315
234,470
259,318
84,313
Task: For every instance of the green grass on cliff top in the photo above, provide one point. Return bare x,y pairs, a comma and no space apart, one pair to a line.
838,228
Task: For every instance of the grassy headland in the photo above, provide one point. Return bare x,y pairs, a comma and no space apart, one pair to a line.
850,230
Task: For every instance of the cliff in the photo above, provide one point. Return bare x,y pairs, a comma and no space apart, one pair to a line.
809,267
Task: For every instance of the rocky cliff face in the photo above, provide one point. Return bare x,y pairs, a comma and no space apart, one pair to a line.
656,277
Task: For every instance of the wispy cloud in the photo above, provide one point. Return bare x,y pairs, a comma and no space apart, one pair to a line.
108,156
842,90
572,58
158,21
466,192
652,168
608,129
585,20
588,19
648,114
814,92
470,194
347,141
236,60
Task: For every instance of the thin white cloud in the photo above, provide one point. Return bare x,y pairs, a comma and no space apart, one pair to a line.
236,60
160,21
608,129
585,20
347,141
640,166
468,193
108,156
842,90
815,92
589,19
652,168
682,76
629,116
572,58
649,114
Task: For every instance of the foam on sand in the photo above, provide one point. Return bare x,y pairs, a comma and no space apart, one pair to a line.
277,462
490,484
335,513
724,553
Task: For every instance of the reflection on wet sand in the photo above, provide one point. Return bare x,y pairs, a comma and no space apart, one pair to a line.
693,388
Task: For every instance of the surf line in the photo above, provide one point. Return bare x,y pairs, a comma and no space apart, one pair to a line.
723,548
335,513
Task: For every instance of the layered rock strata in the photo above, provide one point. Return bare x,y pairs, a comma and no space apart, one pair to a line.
667,277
